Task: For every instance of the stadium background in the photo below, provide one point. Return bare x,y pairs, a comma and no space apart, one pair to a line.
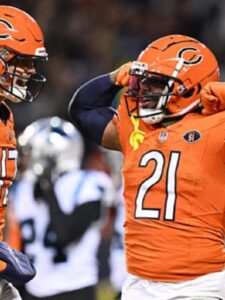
85,38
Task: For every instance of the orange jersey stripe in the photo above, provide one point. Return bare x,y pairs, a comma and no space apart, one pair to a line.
8,157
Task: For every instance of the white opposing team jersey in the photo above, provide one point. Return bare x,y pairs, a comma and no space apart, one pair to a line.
117,253
76,266
120,217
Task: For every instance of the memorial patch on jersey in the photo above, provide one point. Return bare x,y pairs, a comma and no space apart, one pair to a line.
192,136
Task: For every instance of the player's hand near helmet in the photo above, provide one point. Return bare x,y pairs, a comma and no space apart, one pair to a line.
15,266
213,97
121,75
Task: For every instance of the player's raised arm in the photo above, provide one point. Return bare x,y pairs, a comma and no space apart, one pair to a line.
90,108
213,97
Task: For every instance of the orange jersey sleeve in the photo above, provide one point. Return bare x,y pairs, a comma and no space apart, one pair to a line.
174,187
8,157
13,233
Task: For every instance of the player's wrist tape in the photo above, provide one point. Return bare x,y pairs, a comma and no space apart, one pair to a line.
90,107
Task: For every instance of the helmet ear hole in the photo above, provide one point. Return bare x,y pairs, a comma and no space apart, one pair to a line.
189,93
199,88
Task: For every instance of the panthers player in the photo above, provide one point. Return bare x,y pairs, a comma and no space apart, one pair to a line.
60,227
170,128
117,255
21,47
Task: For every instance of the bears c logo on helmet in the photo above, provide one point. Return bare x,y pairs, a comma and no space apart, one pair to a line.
6,24
189,56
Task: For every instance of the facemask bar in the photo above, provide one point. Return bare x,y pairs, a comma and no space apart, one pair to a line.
164,99
139,71
34,83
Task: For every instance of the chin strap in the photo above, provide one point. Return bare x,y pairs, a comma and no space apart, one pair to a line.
137,136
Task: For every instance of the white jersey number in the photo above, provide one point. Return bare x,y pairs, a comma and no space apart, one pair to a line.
170,189
30,234
8,162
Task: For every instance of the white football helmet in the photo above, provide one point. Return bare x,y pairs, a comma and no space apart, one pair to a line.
51,144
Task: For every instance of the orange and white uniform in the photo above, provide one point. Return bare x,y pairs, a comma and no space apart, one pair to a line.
174,191
8,156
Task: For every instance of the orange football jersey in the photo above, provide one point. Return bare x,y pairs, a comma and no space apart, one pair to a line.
8,157
174,191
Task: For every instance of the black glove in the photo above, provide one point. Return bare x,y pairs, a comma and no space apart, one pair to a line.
19,269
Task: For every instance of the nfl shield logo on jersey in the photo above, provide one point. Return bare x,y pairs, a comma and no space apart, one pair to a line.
163,136
192,136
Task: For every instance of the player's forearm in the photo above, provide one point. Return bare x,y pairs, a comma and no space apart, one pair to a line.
97,92
90,108
70,228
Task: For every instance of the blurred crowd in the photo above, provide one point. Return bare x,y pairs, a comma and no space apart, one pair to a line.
85,38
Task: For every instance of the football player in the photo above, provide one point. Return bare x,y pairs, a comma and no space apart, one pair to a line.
21,47
61,225
170,127
117,256
117,275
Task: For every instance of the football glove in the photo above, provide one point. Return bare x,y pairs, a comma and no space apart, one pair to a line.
121,76
15,266
213,97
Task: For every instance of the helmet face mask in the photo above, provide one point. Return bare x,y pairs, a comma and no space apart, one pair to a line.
21,47
166,80
20,82
151,91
